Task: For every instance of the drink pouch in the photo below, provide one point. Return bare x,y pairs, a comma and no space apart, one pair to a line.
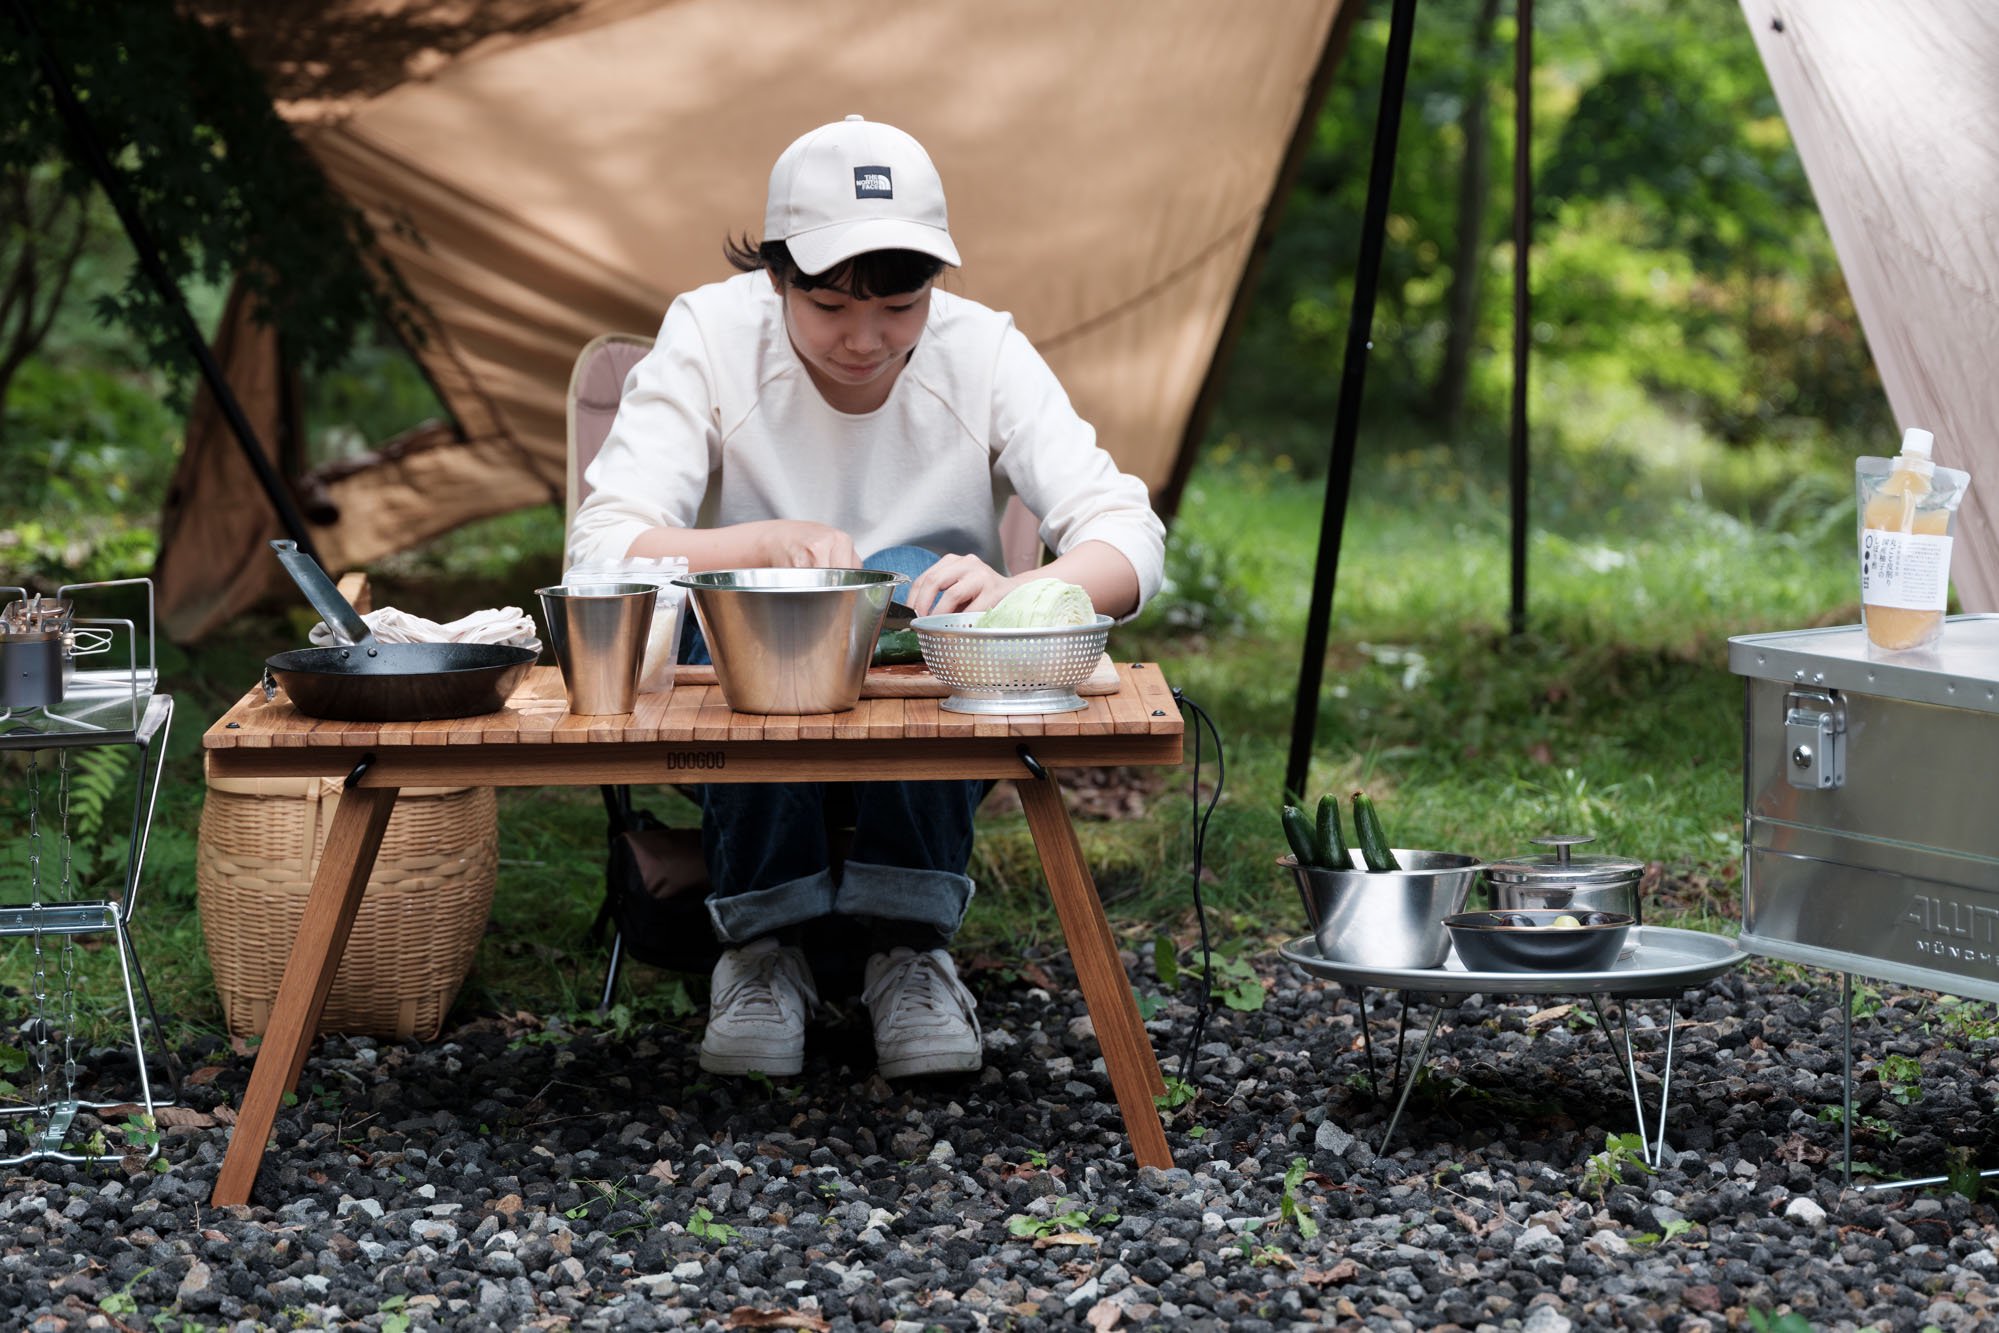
1908,512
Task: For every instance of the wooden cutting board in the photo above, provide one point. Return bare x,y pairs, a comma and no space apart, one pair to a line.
914,681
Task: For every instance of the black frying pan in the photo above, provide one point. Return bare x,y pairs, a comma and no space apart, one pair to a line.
370,681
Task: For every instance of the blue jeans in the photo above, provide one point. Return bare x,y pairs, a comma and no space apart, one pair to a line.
766,843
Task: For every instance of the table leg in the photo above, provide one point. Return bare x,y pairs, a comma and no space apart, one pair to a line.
330,905
1409,1082
1107,993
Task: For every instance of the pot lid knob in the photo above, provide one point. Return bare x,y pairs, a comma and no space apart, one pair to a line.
1561,842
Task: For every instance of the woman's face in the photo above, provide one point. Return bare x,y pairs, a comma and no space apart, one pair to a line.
855,347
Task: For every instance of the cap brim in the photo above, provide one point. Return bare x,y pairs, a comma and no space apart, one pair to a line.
821,248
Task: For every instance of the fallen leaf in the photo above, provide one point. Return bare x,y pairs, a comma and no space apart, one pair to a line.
1065,1238
245,1045
748,1316
1343,1272
1103,1316
183,1117
224,1115
663,1171
1036,973
205,1075
1549,1015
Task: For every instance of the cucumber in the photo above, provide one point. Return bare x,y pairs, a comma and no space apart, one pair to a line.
1367,832
1298,832
1332,844
895,647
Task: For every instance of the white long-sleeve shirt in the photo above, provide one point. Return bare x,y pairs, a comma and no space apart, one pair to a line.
721,424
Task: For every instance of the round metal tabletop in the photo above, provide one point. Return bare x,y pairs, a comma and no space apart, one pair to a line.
1668,960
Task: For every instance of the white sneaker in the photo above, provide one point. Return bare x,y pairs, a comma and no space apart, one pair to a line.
922,1015
758,1003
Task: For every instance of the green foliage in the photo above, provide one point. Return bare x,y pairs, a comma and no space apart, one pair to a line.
1961,1174
1678,253
1901,1078
1606,1169
702,1226
1763,1321
1289,1208
217,177
1178,1093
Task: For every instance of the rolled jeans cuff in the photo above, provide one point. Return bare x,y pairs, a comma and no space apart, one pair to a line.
900,893
742,917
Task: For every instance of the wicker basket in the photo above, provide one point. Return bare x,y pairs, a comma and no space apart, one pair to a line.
420,919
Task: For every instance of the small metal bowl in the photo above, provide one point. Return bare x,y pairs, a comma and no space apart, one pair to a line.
1386,918
1527,940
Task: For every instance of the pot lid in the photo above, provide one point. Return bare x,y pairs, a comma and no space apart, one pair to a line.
1563,867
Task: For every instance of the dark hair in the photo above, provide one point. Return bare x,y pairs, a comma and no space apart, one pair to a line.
865,276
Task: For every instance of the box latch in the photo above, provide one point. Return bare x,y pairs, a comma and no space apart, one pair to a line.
1815,738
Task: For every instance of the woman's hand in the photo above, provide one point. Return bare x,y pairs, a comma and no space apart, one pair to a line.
958,583
784,543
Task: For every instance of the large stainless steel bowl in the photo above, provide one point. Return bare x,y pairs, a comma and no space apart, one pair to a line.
1386,918
790,640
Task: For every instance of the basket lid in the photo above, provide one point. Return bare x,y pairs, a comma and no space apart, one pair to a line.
1562,868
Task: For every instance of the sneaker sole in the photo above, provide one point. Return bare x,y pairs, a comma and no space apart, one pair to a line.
935,1062
775,1066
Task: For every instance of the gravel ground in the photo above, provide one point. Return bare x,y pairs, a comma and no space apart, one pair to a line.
515,1174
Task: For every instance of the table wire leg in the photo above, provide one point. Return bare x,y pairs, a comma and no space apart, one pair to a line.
1666,1084
1630,1063
1358,994
166,1048
1401,1030
1409,1082
1846,1076
138,1042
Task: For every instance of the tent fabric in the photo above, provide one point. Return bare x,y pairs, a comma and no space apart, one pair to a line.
541,173
1891,108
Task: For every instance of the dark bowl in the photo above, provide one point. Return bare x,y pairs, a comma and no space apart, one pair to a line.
1524,940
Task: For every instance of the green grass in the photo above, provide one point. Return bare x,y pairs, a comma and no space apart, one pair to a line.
1615,715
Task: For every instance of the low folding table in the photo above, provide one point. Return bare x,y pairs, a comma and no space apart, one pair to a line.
1662,963
691,735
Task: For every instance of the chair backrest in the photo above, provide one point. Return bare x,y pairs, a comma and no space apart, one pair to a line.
598,382
595,386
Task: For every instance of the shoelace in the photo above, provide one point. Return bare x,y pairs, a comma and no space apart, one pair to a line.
919,982
754,995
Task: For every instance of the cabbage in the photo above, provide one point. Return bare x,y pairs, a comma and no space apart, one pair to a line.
1041,604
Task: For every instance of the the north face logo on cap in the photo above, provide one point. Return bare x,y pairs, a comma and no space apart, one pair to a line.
873,183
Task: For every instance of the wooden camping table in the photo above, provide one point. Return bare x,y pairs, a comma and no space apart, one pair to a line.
689,734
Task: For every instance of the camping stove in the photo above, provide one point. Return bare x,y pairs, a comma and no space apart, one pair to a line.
1869,839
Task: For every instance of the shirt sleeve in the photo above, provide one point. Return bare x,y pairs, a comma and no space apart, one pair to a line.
653,469
1051,457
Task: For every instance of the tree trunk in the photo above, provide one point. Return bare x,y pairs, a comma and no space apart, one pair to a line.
37,256
1468,258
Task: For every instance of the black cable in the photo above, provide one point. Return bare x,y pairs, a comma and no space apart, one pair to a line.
1199,826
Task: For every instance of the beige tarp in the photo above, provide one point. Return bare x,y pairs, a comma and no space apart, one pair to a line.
541,173
1895,112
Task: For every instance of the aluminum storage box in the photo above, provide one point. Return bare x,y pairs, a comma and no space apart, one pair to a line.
1871,794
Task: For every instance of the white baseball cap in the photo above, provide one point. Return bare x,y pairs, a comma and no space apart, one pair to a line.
854,186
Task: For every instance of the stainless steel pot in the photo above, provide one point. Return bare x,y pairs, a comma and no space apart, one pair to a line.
1564,881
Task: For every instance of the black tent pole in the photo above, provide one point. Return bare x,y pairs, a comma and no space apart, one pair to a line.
1346,424
1523,238
155,268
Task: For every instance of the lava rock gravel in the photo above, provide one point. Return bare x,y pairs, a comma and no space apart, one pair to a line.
520,1173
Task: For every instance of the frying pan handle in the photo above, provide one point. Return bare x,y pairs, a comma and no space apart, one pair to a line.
335,610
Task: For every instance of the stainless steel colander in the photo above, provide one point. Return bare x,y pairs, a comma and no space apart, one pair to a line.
1010,670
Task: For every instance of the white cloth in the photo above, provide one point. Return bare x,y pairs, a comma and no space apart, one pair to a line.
502,625
721,424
